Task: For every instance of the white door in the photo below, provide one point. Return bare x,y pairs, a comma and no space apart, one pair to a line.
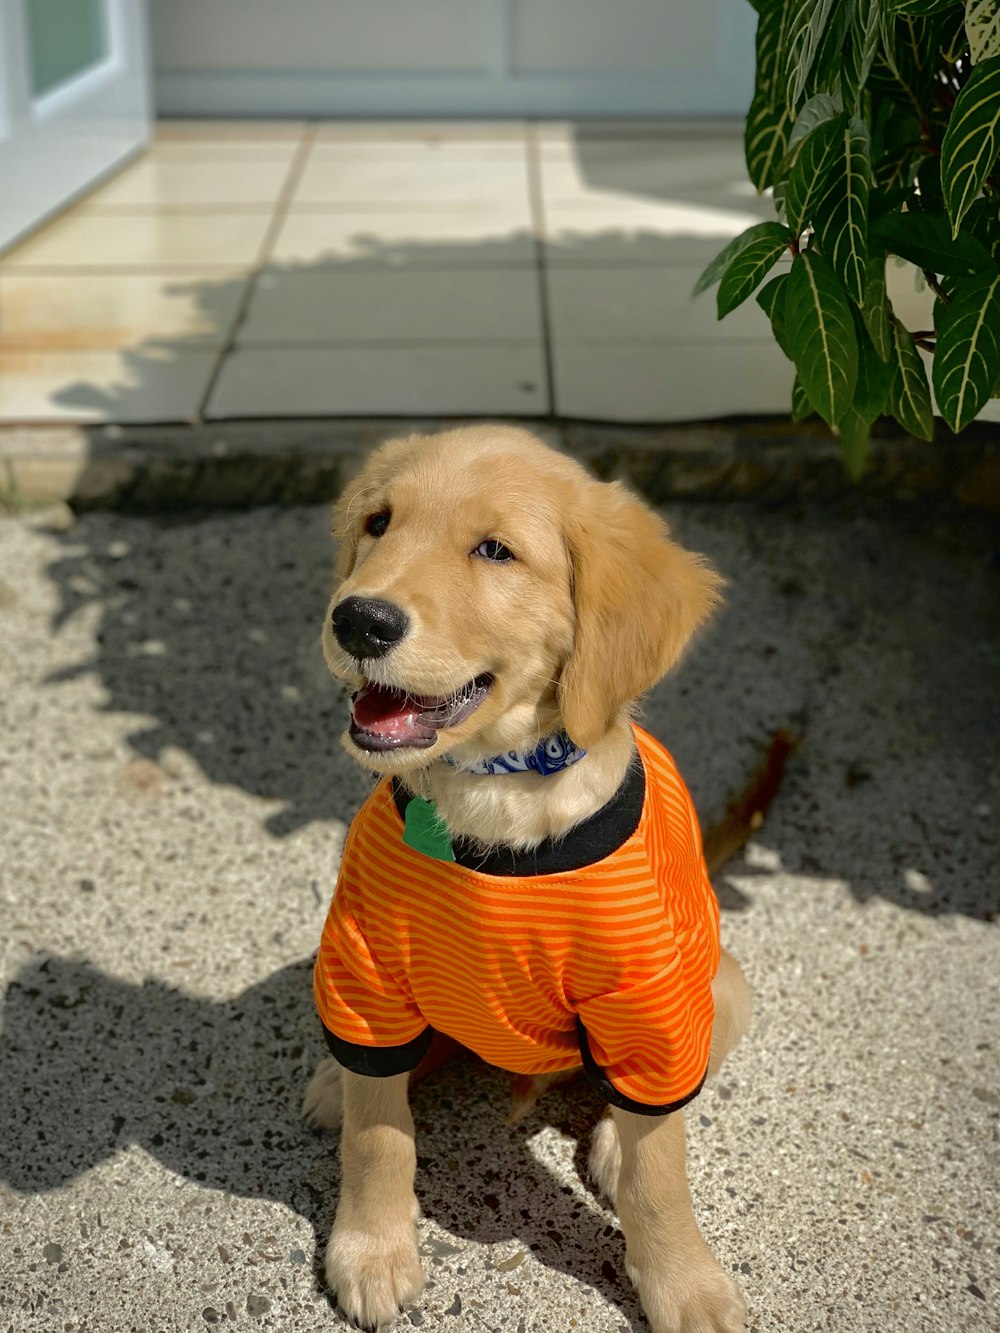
453,57
74,101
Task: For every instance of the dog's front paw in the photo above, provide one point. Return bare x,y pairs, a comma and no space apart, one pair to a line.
374,1276
323,1102
689,1297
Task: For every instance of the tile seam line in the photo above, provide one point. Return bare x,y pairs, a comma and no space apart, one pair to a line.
281,210
535,201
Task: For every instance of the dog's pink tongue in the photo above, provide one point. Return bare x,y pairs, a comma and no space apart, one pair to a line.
388,713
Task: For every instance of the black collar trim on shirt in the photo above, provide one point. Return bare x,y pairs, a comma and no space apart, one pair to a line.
585,844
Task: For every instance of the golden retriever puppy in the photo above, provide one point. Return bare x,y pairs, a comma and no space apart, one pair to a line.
528,878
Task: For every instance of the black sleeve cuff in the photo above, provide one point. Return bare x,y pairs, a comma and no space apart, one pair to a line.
379,1061
610,1093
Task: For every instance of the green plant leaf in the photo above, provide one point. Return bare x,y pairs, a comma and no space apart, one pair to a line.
972,140
919,8
771,299
765,139
875,310
874,383
834,44
983,222
895,142
768,45
982,27
910,396
768,119
918,40
801,406
967,354
925,239
803,27
750,266
864,44
812,172
885,201
821,335
899,67
841,215
771,294
714,270
953,44
854,435
930,199
822,107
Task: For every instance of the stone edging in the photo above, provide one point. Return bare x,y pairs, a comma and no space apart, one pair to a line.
238,464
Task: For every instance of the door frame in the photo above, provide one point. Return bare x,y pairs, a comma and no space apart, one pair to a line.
55,146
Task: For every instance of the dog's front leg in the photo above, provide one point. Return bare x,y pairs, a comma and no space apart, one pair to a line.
682,1287
371,1260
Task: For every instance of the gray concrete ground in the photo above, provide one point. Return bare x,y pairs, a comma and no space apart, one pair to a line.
173,801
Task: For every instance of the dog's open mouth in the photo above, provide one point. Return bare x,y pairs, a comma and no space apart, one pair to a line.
383,718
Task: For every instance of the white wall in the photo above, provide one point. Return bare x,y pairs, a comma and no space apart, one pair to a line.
453,57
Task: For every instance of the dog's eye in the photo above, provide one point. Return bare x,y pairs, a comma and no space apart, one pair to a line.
494,550
376,524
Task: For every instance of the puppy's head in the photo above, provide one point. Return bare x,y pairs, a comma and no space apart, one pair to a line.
491,592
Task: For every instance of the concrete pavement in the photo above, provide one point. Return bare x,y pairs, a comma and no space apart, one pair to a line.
172,805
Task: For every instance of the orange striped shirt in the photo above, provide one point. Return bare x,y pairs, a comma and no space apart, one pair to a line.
612,963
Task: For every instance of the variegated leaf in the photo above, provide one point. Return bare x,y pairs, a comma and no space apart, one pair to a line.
866,35
910,396
967,354
768,46
902,57
821,335
822,107
811,174
982,27
875,308
825,75
714,270
972,140
805,23
751,264
874,383
924,239
765,139
771,299
841,215
919,8
801,406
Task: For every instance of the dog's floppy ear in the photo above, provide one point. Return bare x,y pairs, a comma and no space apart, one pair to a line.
638,598
348,513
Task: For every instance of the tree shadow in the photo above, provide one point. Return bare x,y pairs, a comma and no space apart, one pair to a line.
90,1065
211,634
873,637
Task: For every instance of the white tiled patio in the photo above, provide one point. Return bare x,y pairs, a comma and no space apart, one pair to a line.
284,269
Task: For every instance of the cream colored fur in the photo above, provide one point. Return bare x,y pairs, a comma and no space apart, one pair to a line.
598,605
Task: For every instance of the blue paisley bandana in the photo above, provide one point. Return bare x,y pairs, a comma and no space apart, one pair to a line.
550,755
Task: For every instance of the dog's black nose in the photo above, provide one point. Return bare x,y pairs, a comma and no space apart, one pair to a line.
368,626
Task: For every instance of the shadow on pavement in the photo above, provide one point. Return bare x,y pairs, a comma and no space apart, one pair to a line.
874,638
211,632
90,1065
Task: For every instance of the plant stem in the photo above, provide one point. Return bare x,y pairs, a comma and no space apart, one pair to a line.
935,286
